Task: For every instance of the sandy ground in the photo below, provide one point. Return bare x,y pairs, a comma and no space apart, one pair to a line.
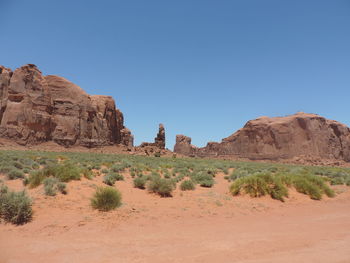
205,225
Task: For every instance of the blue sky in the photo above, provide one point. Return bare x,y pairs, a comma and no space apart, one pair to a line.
203,68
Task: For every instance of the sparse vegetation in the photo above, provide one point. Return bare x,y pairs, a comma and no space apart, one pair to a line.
161,186
187,185
276,185
15,207
106,199
140,182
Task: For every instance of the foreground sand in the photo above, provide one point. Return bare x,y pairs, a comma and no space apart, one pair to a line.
206,225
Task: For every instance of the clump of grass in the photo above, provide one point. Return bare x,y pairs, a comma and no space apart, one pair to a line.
187,185
15,207
161,186
106,199
63,172
35,178
15,174
52,185
204,179
110,179
261,184
140,182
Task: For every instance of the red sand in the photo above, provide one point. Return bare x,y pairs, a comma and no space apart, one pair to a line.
205,225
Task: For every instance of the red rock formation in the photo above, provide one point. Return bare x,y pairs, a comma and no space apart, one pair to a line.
36,108
279,138
159,140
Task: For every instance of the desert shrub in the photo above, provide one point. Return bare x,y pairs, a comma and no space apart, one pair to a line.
35,166
157,154
62,187
35,178
5,169
276,185
26,170
52,185
105,171
65,172
140,182
187,185
18,165
106,198
15,207
337,181
15,174
161,186
110,179
203,179
87,173
25,181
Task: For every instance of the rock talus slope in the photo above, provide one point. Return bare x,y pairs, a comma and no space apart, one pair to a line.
275,138
36,108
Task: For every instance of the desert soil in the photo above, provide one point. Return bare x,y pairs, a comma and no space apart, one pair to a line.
205,225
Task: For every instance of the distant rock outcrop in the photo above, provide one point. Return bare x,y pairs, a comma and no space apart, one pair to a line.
159,140
36,108
279,138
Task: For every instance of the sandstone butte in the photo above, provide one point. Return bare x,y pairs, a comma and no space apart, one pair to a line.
36,108
298,135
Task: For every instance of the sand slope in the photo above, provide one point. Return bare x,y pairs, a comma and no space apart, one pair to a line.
207,225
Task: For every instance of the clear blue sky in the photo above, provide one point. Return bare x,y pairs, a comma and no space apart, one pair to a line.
203,68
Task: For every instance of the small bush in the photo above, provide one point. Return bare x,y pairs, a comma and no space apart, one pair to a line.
62,187
140,182
15,174
161,186
36,178
50,186
110,179
276,185
15,207
187,185
18,165
106,198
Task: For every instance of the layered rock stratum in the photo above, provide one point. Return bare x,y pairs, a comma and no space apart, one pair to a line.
276,138
35,108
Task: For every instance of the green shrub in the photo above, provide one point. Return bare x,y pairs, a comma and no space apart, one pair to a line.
15,174
207,183
88,174
52,185
36,178
161,186
65,172
106,198
140,182
187,185
110,179
276,185
62,187
18,165
337,181
157,154
15,207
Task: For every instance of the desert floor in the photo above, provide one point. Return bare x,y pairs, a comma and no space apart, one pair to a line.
205,225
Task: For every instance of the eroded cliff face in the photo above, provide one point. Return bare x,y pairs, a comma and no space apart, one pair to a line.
36,108
279,138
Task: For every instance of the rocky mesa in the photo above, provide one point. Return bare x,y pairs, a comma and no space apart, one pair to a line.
276,138
35,108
